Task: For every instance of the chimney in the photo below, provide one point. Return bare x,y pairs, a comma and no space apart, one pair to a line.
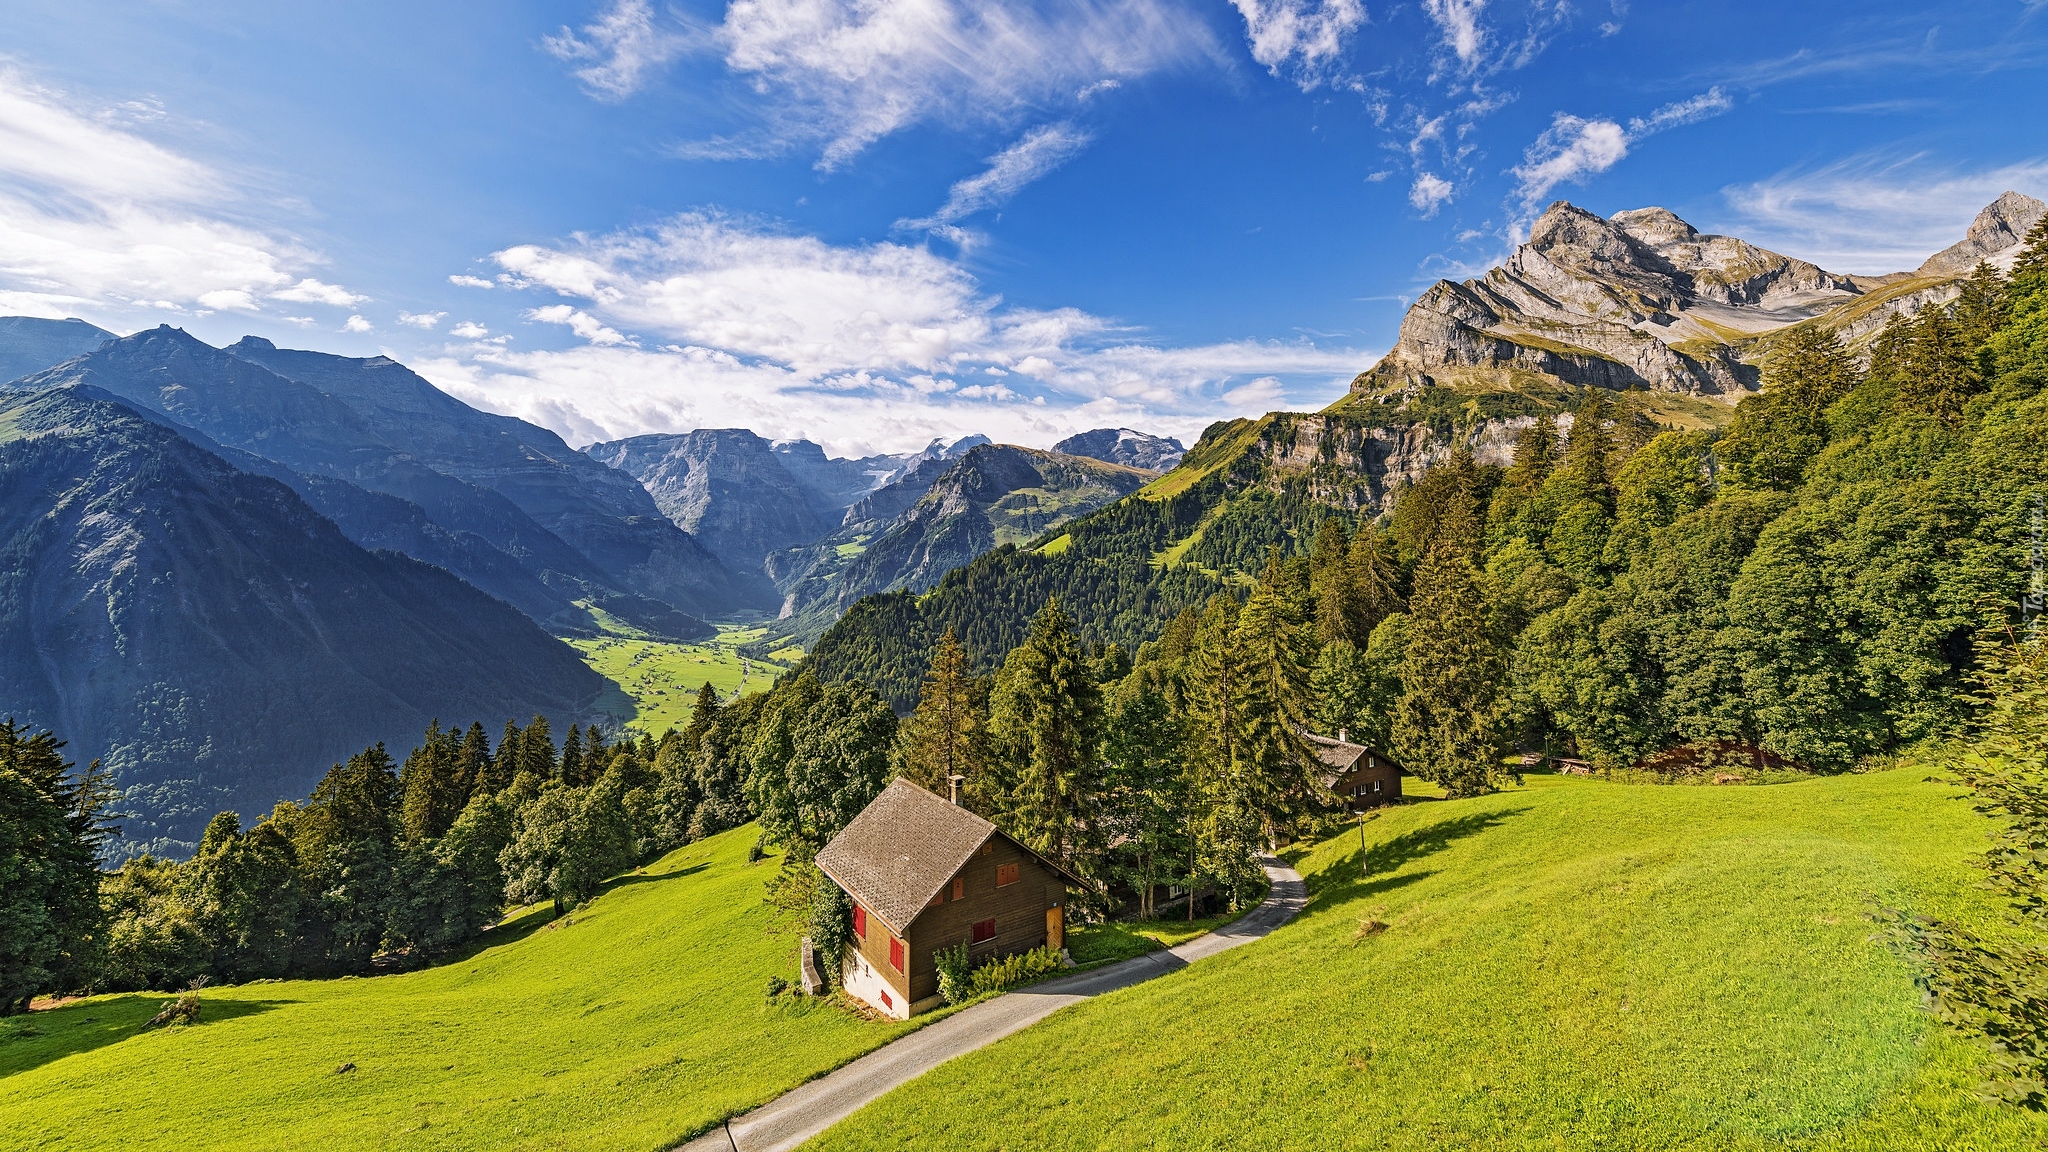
955,780
1343,736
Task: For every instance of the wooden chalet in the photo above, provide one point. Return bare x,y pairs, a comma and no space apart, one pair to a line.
926,875
1359,776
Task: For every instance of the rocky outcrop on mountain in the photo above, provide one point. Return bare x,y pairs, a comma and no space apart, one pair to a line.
29,344
1123,446
1643,300
996,494
1995,235
214,640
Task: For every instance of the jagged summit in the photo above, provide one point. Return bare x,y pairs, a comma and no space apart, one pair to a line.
1642,299
1124,446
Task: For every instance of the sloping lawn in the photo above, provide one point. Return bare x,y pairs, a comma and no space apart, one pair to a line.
1577,965
638,1020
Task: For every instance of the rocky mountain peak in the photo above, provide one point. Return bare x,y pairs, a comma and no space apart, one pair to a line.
1995,235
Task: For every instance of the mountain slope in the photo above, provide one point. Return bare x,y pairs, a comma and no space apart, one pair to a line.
29,344
1643,300
212,638
1123,446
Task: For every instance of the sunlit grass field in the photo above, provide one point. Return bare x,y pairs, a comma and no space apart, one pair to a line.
661,679
1575,965
637,1021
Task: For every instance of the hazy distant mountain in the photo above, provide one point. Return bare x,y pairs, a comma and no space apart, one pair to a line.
996,494
746,498
211,637
495,489
30,344
1123,446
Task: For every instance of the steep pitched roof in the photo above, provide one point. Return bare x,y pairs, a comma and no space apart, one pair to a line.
1338,757
902,848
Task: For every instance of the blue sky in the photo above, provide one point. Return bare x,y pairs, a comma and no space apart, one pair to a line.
874,223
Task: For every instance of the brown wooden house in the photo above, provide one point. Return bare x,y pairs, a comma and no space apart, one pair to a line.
1359,776
926,875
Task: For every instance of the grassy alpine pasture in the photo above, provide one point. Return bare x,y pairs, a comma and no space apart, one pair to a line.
1575,965
636,1021
660,679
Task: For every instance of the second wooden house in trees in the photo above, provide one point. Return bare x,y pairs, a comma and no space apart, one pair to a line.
926,875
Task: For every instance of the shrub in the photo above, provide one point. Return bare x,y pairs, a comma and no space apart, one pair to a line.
777,986
1011,971
956,975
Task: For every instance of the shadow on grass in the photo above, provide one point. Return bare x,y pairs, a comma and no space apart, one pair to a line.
651,877
1344,882
39,1038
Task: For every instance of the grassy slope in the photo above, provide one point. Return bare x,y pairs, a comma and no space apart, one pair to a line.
661,679
1577,965
638,1022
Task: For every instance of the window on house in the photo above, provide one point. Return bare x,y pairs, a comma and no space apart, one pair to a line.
984,931
896,954
959,887
1006,875
860,922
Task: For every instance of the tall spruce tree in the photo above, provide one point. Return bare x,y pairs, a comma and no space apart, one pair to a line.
537,750
51,828
1448,722
1046,719
473,766
430,784
946,737
1276,654
1228,824
571,769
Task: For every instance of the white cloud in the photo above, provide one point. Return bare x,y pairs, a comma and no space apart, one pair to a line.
469,282
1300,38
580,322
623,47
95,219
1872,214
356,324
469,330
301,321
311,291
1040,151
425,320
1429,193
744,325
1458,22
1710,103
850,74
1574,148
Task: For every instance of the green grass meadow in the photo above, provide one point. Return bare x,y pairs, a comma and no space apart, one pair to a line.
1574,965
632,1023
660,679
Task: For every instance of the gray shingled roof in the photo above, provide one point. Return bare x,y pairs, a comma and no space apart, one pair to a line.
902,848
1338,757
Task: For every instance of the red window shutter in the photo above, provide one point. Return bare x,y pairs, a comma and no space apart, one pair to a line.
959,887
1006,875
886,1002
860,922
896,954
984,931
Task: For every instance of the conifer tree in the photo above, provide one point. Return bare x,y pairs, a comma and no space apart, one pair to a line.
1337,610
1447,724
1535,456
1375,583
1046,716
1225,813
571,768
1275,654
537,750
946,736
473,763
51,829
430,785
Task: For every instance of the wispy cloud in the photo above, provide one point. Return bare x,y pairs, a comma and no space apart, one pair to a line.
847,75
96,219
1574,148
1300,39
1429,193
1874,213
709,320
620,50
1458,23
1039,152
426,321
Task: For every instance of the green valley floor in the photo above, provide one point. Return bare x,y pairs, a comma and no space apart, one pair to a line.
1577,965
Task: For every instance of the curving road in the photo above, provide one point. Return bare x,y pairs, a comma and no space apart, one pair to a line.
796,1116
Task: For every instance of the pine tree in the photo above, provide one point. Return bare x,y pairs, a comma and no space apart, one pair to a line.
1330,580
430,785
473,763
1448,721
1046,717
1275,654
1535,456
537,750
51,829
946,736
571,768
1227,823
1375,583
